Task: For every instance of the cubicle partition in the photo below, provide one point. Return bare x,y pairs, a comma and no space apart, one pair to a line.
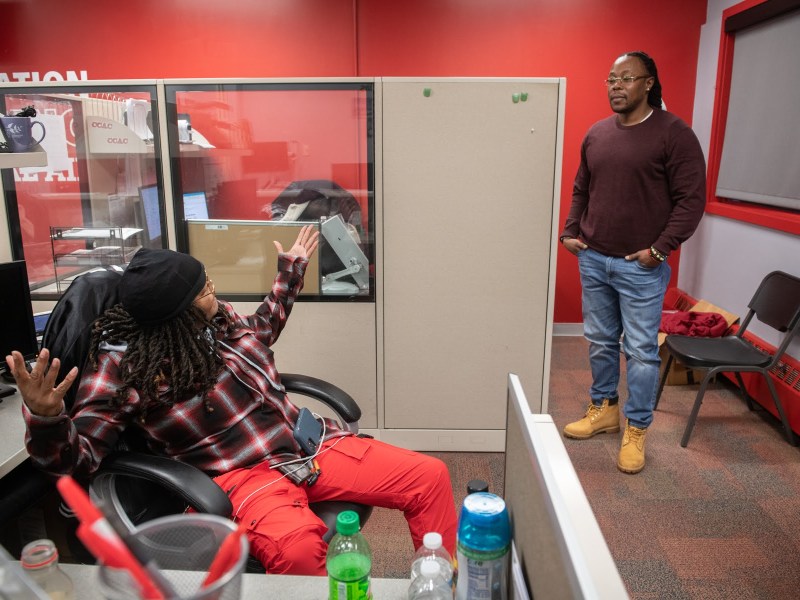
560,550
439,181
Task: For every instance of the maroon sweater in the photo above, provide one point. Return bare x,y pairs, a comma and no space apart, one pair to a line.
638,186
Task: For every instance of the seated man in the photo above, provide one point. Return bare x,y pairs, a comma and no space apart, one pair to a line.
199,383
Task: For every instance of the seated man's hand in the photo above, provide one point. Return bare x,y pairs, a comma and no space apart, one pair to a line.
37,388
304,246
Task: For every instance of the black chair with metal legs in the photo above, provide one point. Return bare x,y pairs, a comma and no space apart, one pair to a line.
776,303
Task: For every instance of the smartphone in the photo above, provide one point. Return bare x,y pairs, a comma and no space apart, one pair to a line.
308,432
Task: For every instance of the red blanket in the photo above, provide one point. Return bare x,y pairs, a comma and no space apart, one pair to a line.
697,324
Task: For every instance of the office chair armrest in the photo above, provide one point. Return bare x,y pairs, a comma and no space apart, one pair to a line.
185,481
327,393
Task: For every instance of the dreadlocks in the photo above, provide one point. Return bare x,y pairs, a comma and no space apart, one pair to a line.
179,353
654,95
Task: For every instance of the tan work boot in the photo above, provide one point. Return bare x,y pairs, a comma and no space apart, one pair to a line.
598,419
631,453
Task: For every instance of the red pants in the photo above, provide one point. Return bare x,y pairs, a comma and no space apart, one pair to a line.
286,536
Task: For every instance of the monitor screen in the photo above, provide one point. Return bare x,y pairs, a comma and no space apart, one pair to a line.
152,212
195,206
17,331
40,321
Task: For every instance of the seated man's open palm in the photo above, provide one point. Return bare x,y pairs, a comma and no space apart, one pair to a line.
38,388
305,245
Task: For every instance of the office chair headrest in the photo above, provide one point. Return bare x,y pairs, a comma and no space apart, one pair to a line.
158,285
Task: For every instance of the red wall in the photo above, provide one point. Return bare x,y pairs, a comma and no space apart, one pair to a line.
576,39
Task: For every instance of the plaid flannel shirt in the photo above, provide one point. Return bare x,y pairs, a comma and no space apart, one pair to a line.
252,417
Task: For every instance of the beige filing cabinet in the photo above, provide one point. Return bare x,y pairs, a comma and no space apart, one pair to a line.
471,172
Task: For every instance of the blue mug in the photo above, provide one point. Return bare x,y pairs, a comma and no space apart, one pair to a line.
18,132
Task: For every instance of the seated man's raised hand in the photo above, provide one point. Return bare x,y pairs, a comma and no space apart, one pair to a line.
38,388
305,245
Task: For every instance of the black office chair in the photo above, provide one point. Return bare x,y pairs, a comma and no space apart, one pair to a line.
776,303
139,485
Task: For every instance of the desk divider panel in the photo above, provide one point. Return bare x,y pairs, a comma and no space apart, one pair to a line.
558,541
469,215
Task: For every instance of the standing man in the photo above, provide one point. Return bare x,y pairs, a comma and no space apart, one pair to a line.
639,193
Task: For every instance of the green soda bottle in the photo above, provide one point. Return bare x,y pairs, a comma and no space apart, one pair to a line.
349,560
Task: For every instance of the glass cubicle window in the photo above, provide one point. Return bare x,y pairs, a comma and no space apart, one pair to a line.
93,199
252,161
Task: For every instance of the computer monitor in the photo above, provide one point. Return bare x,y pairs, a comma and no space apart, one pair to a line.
151,215
17,331
40,322
351,263
195,206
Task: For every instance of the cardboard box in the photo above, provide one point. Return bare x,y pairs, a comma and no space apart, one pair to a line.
679,374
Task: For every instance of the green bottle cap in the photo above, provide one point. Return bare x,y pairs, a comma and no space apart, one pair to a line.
347,522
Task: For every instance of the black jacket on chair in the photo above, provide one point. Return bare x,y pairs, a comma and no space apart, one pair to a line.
69,328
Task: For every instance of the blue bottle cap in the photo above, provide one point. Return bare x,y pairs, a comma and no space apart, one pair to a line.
484,523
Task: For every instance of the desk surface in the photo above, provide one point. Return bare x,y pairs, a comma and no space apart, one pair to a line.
12,434
254,586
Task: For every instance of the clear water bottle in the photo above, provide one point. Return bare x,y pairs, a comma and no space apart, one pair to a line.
483,545
349,560
432,550
40,561
429,584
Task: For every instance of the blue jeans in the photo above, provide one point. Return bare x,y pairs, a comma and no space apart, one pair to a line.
621,296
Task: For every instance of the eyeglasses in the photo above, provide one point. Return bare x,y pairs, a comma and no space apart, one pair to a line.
627,79
207,290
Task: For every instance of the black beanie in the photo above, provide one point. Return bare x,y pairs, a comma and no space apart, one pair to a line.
158,285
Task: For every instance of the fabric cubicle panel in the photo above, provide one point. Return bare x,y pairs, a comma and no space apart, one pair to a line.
470,201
